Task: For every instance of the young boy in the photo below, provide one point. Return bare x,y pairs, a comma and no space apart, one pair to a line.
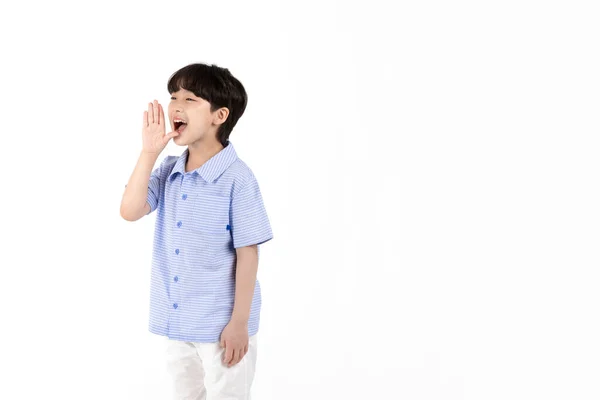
204,295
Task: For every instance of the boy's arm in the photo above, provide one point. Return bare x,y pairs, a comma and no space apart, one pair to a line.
133,204
245,280
250,228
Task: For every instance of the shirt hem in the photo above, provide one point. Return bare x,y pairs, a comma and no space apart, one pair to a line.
197,339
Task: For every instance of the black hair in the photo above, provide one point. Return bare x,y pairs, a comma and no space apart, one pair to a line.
217,86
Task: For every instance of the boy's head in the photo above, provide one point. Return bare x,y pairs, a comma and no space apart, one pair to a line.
209,99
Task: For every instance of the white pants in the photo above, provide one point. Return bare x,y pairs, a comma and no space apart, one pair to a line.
198,372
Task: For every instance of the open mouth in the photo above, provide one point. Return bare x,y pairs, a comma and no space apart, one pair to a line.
179,126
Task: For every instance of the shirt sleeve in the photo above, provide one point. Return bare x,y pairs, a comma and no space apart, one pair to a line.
249,221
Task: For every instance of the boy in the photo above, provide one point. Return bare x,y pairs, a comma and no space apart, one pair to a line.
204,295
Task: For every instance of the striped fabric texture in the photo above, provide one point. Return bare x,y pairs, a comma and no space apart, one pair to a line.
202,217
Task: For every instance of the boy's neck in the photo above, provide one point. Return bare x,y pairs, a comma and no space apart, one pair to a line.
201,153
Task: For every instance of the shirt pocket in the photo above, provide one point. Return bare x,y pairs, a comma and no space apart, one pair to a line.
210,223
211,215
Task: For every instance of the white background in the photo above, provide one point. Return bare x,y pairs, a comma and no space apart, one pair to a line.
430,170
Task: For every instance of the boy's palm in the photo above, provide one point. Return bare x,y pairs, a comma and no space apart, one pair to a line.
153,129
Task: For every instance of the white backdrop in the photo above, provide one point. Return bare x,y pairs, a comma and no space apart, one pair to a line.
430,170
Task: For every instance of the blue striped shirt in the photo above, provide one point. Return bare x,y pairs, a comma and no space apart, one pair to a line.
202,217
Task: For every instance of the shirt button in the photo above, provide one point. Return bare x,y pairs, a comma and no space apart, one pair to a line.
176,251
179,224
175,305
176,279
184,196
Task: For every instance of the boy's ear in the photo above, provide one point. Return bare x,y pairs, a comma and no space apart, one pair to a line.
221,115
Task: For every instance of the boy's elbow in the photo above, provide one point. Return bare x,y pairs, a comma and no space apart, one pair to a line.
133,215
128,216
125,215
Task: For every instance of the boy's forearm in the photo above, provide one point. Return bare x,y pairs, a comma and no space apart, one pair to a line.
136,191
245,281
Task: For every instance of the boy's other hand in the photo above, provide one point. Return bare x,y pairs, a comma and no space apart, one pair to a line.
153,129
234,339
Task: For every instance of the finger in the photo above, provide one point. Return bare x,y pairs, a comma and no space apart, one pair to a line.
156,119
228,354
161,115
150,114
166,139
145,119
235,358
245,350
240,355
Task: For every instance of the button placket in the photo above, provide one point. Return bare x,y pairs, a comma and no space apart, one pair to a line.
184,198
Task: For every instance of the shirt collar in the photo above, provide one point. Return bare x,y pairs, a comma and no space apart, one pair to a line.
211,169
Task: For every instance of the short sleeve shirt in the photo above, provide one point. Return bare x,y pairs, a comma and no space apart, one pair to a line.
202,217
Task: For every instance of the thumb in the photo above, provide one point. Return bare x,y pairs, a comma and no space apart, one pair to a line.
222,342
170,136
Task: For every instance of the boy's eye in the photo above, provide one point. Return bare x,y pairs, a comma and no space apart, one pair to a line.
190,99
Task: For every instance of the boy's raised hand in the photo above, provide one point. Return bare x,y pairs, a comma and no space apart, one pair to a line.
153,129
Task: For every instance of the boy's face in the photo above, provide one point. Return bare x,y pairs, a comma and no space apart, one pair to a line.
201,125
